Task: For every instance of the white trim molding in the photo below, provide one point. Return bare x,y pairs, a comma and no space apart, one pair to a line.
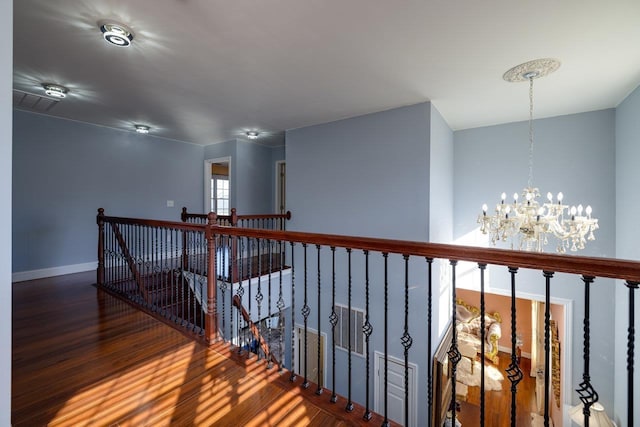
22,276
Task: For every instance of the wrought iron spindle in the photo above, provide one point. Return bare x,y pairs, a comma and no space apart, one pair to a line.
367,329
514,373
280,305
240,293
482,267
292,377
305,314
319,389
547,343
333,319
453,353
586,392
429,339
250,245
349,406
406,340
385,255
630,351
269,313
222,280
259,297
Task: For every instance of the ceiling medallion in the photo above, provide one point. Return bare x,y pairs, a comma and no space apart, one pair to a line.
55,91
116,34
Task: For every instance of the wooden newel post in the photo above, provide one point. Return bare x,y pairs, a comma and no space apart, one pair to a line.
234,217
183,215
100,271
211,321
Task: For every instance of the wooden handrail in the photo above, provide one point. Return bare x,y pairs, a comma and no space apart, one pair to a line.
233,218
587,266
237,302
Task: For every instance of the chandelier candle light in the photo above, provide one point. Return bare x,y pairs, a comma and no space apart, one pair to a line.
529,219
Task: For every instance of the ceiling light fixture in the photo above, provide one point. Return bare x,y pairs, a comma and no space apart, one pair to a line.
116,34
530,221
54,90
142,128
252,134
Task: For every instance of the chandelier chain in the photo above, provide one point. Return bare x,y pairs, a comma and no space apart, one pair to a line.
531,132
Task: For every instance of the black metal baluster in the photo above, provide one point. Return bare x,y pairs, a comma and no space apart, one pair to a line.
319,389
482,268
406,340
385,255
242,334
231,256
429,340
223,285
630,351
586,392
280,305
259,297
250,245
547,343
453,353
305,314
269,313
349,406
334,321
514,373
367,329
292,377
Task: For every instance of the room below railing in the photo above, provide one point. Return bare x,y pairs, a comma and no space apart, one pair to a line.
359,296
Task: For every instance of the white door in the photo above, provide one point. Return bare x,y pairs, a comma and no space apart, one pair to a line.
315,373
395,389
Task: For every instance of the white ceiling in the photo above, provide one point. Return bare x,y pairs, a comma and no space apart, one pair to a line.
205,71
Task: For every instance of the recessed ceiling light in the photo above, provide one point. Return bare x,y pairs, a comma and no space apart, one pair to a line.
116,34
252,134
142,128
54,90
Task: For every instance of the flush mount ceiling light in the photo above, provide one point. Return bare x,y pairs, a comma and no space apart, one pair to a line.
252,134
142,128
116,34
54,90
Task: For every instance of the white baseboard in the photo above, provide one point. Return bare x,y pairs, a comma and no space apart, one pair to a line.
505,349
22,276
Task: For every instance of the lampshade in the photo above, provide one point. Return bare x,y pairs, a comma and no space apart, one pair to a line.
597,418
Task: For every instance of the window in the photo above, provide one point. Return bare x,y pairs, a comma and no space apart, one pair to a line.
342,329
220,194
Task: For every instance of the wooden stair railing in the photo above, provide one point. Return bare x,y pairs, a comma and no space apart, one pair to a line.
140,281
237,302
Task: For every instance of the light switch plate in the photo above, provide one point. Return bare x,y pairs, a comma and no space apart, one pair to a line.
169,203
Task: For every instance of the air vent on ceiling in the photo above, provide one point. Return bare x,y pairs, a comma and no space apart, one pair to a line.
31,101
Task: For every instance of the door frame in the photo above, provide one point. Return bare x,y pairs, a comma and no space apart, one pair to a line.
207,181
277,194
323,339
378,365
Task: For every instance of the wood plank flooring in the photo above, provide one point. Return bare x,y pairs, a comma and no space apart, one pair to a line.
498,403
82,357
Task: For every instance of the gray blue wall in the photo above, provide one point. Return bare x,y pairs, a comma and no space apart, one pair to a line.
63,171
365,176
627,236
574,154
6,81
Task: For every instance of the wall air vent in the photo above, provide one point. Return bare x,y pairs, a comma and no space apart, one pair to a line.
30,101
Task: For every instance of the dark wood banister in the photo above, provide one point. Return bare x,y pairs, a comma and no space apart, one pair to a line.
234,218
237,302
588,266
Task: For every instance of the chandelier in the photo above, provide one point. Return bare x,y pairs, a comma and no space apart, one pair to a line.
527,219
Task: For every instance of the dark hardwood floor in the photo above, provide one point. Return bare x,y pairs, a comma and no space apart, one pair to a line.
498,403
82,357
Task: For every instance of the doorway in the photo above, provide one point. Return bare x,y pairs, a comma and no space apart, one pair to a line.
395,389
315,372
217,186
